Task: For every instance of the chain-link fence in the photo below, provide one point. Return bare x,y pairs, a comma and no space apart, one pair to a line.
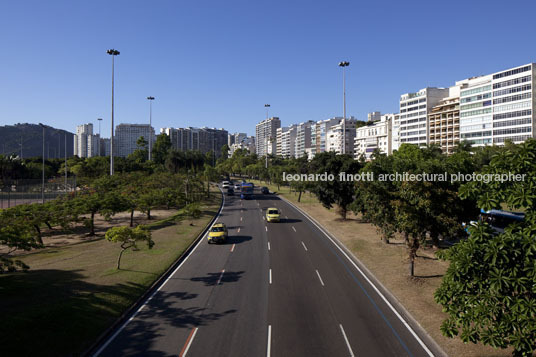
17,192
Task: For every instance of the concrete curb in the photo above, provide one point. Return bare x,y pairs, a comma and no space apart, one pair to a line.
423,334
136,305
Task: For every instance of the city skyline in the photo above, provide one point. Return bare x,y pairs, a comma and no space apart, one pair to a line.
217,65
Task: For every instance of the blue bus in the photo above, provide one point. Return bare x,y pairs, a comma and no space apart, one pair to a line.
246,191
498,219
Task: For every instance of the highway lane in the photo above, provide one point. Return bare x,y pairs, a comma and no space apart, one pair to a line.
275,288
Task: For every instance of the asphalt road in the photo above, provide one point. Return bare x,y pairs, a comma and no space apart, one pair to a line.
279,289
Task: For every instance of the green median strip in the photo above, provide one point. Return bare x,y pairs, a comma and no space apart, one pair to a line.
73,293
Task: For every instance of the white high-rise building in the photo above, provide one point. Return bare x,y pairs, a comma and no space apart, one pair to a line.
412,125
376,134
85,143
126,136
319,134
286,141
498,107
265,136
303,138
335,137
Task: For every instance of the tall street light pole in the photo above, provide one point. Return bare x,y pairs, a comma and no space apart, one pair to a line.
112,53
43,166
99,119
150,124
65,152
344,64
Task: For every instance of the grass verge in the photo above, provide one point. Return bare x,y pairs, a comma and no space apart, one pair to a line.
388,262
73,293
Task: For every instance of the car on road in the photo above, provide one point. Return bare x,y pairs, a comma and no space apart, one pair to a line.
272,215
265,190
237,186
218,233
230,192
225,184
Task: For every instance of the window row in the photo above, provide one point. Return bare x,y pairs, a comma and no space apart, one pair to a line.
511,138
479,141
476,112
475,127
476,105
476,134
512,98
476,119
523,129
512,82
474,98
519,113
510,107
512,90
514,122
465,93
511,72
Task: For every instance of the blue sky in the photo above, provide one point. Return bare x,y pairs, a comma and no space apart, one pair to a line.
216,63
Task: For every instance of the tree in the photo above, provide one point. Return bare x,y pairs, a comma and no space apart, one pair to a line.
489,290
334,191
128,237
141,154
161,149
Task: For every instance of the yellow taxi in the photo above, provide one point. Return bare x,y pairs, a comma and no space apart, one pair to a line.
218,233
272,215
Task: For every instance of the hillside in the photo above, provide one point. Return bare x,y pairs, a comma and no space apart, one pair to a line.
31,137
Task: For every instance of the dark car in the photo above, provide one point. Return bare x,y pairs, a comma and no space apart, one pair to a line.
230,192
265,190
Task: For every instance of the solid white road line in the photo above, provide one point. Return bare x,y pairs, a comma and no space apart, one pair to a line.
99,351
268,245
232,248
294,228
266,228
270,276
269,344
347,343
313,221
188,343
221,276
304,247
319,277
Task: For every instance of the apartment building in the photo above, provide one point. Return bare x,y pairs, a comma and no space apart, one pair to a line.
286,141
86,144
444,121
377,134
247,143
338,142
265,134
303,138
318,134
200,139
235,138
498,107
126,136
412,124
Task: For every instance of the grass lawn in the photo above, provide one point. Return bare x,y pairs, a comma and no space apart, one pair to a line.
389,263
71,294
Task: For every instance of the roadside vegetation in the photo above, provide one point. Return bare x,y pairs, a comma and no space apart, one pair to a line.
488,291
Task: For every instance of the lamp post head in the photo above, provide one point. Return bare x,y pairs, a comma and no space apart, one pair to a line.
150,98
113,52
344,64
267,105
99,119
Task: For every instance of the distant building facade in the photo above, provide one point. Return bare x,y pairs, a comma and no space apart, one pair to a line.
86,144
265,136
127,135
376,135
